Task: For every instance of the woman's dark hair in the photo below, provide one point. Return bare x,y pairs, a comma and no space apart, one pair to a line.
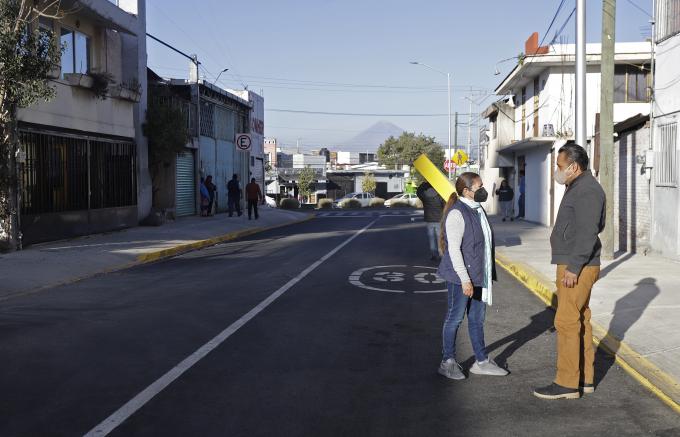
577,154
465,180
505,181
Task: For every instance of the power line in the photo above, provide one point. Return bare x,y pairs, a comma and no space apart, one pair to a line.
355,114
639,8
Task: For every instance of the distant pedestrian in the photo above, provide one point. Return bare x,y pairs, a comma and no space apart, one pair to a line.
522,190
205,198
234,196
505,197
576,252
433,206
254,196
212,189
468,266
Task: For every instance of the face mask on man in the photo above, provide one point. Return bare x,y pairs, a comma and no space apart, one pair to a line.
561,176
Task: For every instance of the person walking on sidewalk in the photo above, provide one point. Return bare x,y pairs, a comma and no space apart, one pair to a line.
212,188
254,196
468,266
505,196
234,196
433,206
205,198
576,252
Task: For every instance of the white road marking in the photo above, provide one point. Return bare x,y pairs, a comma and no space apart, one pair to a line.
389,276
134,404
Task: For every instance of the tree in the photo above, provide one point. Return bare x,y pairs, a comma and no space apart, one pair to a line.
395,152
27,56
166,129
369,184
305,180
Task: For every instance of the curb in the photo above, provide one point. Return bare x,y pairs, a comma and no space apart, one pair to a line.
146,258
159,255
660,383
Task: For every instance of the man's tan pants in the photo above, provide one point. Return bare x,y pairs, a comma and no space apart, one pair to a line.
575,353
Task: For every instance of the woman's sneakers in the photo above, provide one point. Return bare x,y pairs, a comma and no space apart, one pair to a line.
451,369
487,367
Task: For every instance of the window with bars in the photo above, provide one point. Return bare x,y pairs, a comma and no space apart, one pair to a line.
208,120
667,19
667,155
67,173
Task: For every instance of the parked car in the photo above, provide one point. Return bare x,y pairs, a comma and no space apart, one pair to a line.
271,202
412,199
363,198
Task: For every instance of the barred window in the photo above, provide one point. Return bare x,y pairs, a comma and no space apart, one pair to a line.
68,173
667,156
667,18
225,124
208,120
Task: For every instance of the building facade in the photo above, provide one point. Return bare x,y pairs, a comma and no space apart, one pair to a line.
85,168
527,129
665,188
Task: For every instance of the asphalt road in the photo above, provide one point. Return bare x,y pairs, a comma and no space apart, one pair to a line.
349,347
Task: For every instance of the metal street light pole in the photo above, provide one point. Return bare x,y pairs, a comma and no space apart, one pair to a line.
448,79
580,73
218,76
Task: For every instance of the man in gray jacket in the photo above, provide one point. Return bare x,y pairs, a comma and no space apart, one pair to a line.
576,252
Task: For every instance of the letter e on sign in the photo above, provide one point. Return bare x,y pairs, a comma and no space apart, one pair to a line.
243,142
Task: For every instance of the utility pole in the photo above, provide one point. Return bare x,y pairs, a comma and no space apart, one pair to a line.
455,132
607,122
580,81
469,141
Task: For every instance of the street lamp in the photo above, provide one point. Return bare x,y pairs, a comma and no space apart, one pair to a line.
218,76
496,71
448,81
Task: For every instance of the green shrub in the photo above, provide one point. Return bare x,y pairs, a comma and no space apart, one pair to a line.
350,204
377,202
289,204
325,204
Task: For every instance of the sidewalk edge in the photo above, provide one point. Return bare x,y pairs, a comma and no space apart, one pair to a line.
201,244
637,366
158,255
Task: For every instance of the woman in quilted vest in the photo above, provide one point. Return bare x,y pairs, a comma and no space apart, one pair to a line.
468,266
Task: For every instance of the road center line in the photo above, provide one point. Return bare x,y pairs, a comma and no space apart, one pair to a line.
136,403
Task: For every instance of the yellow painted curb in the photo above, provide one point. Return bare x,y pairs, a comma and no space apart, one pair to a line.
183,248
660,383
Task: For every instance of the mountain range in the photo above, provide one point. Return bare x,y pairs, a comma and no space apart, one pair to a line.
370,139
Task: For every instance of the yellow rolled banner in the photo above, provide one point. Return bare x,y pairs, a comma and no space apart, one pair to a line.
434,176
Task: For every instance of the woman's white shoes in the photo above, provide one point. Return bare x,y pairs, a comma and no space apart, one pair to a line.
488,367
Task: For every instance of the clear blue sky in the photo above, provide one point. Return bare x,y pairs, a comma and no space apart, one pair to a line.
298,51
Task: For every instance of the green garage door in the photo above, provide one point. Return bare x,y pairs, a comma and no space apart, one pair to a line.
185,189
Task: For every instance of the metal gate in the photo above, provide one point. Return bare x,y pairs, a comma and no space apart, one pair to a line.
185,189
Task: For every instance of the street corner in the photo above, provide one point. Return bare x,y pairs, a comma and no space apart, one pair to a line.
403,279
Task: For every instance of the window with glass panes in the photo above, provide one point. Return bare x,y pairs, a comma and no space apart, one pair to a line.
631,84
76,55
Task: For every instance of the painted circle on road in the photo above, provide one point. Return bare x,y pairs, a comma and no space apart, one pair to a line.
399,279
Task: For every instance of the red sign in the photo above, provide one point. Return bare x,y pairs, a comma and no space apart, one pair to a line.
449,165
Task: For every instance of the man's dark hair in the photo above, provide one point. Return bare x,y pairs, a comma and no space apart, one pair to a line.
235,176
252,180
577,154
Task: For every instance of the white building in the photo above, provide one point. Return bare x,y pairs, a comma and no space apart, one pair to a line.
664,175
527,129
86,167
312,161
256,130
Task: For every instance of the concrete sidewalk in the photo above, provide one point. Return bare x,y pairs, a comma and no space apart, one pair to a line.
635,304
47,265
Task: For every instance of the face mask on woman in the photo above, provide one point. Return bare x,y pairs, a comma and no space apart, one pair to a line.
481,195
561,176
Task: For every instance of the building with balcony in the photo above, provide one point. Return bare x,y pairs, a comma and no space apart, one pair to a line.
537,117
85,168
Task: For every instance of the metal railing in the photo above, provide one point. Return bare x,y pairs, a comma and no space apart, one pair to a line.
71,173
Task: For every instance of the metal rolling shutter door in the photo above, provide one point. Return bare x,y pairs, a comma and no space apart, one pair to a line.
185,191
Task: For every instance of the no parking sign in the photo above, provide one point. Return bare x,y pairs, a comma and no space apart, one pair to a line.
243,142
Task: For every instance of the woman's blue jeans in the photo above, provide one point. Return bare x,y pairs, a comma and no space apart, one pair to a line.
458,305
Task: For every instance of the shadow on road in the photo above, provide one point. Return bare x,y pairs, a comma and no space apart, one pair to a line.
539,324
627,311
